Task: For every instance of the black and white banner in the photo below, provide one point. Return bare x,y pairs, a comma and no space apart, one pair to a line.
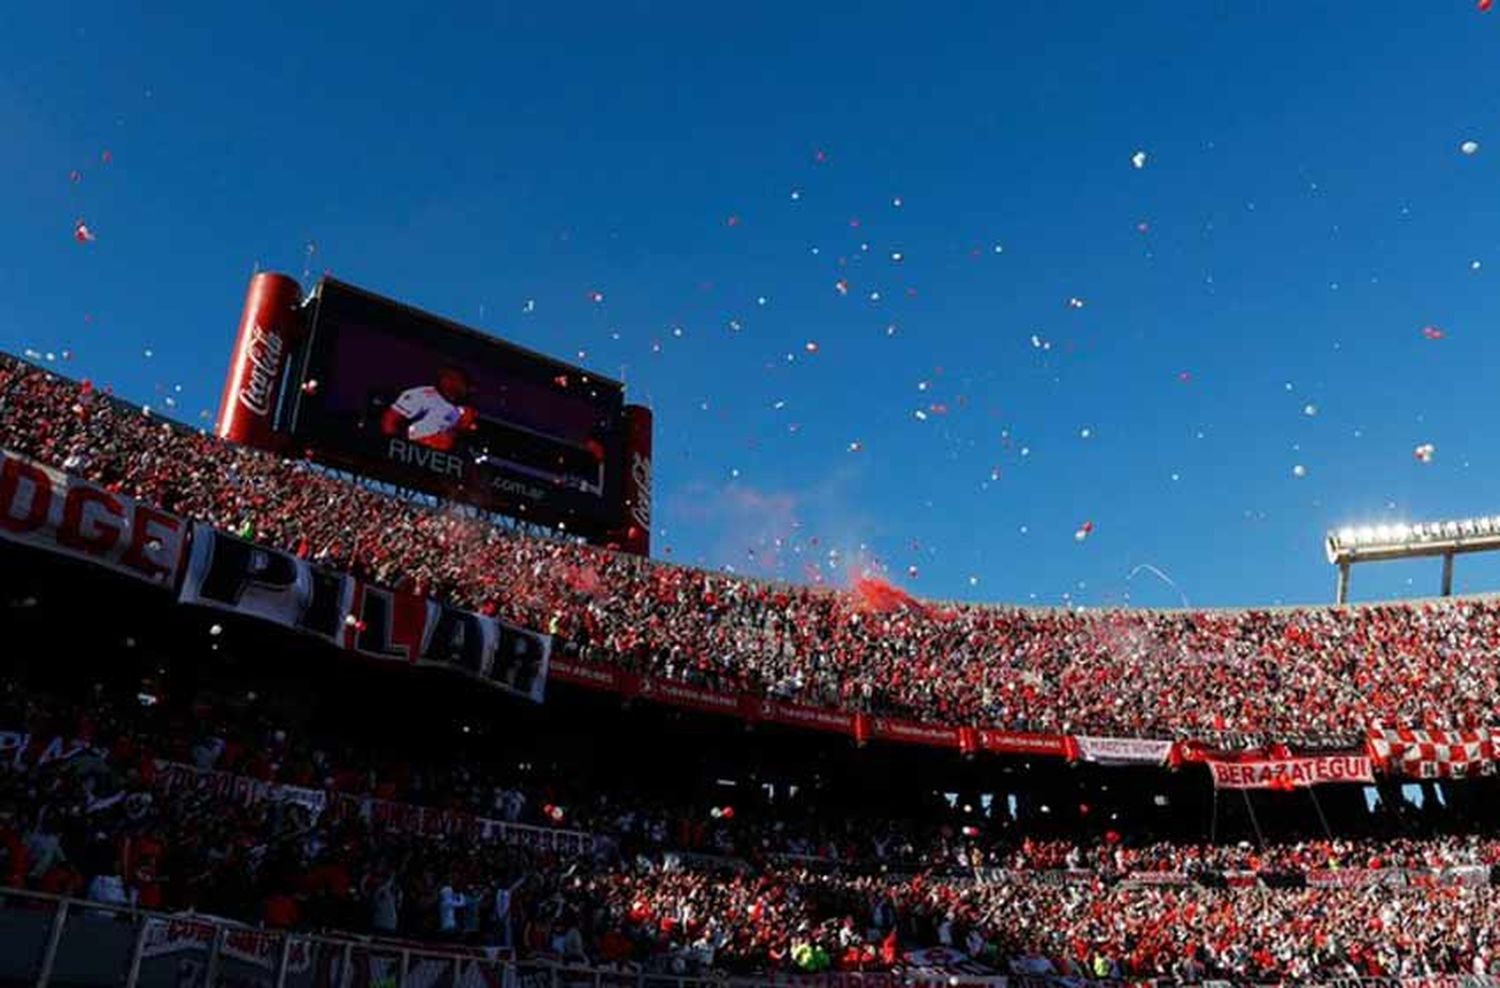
1123,751
230,574
234,575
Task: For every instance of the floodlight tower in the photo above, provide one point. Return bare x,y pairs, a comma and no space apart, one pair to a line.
1375,543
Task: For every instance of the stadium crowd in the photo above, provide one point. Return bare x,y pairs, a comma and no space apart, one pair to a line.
97,825
1311,675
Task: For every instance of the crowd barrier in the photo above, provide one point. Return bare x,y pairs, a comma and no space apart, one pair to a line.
53,941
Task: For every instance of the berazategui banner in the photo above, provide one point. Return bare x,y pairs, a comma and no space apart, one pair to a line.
1291,773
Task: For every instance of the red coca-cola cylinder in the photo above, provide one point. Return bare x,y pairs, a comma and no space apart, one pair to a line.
271,328
634,531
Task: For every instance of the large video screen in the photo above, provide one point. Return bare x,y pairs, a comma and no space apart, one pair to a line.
408,397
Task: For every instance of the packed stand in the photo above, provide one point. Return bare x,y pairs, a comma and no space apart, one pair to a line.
1309,675
95,826
1111,855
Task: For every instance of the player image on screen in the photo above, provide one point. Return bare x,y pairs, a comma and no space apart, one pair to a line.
432,415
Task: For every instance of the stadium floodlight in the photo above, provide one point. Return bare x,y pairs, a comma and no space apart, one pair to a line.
1374,543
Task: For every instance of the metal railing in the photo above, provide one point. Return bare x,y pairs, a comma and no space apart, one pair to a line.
50,940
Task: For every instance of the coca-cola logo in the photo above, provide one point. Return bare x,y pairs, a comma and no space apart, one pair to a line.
263,352
640,475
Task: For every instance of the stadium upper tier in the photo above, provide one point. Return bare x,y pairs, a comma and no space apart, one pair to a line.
1308,675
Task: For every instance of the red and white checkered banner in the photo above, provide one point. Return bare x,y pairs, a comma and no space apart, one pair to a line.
1431,754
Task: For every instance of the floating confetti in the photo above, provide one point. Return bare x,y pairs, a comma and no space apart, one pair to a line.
1143,227
1138,160
732,221
596,297
841,286
897,256
1469,147
1424,452
530,305
896,202
856,446
810,346
796,195
1186,377
310,387
1433,333
1085,433
1309,409
82,233
1299,471
107,156
75,176
1084,531
1037,343
820,156
1076,303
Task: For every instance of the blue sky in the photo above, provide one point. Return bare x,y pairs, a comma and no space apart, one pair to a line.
965,170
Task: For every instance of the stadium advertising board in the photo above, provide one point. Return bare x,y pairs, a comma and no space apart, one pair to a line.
230,574
48,509
404,396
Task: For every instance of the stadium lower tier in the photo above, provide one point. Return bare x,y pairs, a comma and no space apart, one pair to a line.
1310,676
180,759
